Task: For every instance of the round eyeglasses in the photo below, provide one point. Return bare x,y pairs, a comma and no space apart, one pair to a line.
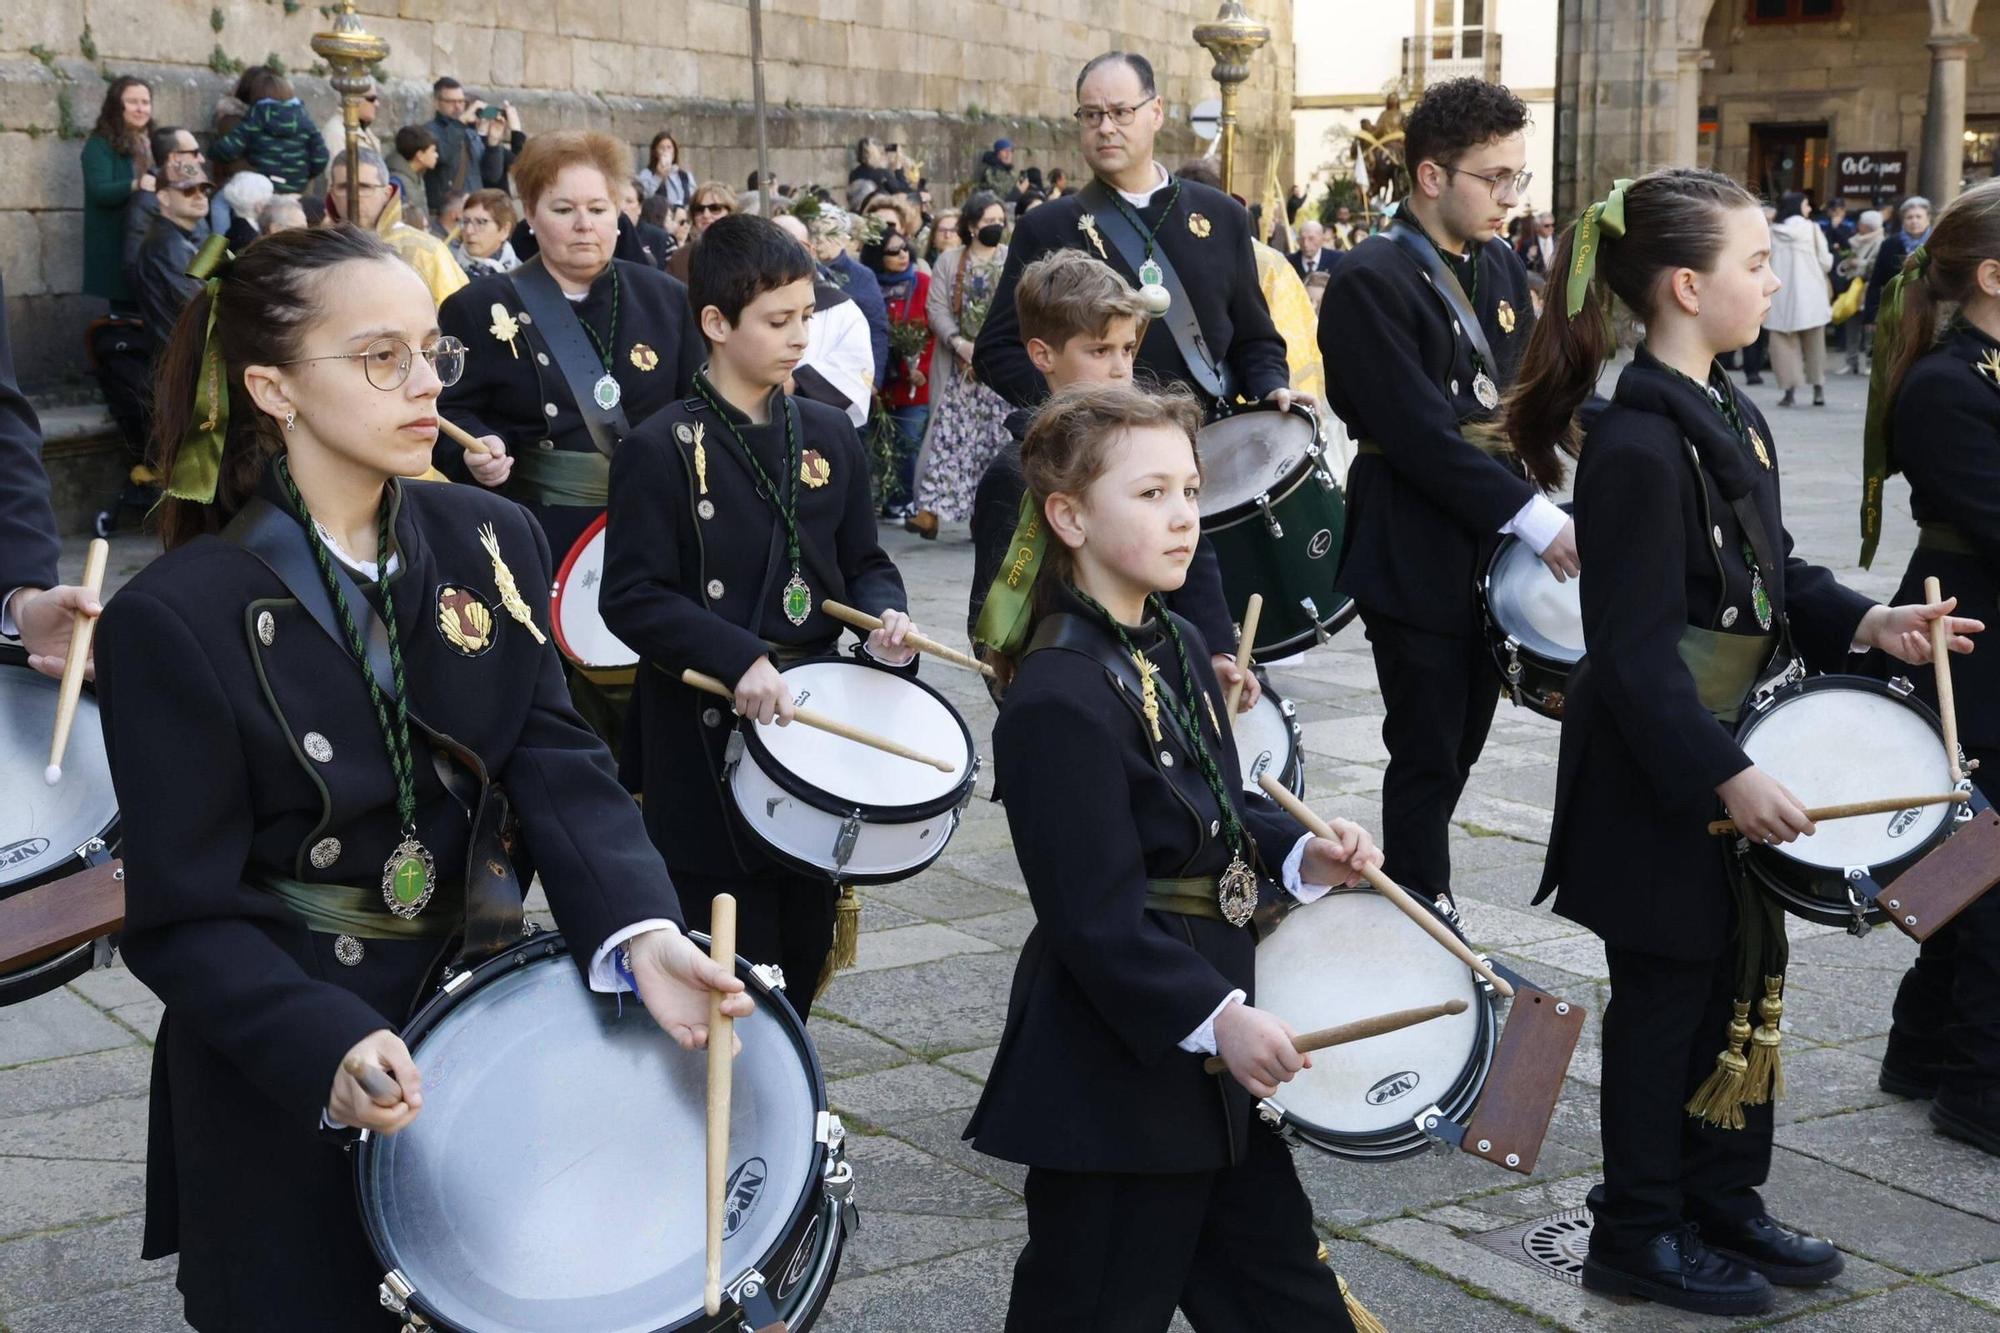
1500,184
387,361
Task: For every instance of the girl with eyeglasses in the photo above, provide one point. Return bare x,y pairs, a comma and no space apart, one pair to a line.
302,700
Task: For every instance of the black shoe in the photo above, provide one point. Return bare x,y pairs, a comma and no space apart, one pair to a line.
1971,1115
1788,400
1781,1254
1753,379
1908,1080
1676,1269
1819,395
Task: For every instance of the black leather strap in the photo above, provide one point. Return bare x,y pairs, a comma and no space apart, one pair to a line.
572,351
1211,372
1413,243
279,541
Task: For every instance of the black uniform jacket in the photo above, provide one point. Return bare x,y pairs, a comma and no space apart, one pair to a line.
524,398
1218,269
996,508
686,590
28,544
1630,856
1423,512
1090,1075
1946,440
216,689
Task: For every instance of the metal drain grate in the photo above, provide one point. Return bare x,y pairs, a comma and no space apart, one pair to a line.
1553,1245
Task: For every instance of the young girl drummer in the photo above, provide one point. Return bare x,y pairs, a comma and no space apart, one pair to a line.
1148,1188
1692,598
304,698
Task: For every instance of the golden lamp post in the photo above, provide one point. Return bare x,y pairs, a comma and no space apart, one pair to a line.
1232,39
350,50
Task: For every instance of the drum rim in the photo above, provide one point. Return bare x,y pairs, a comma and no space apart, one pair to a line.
1304,639
1225,517
867,812
14,655
556,587
546,947
50,973
1287,486
1501,632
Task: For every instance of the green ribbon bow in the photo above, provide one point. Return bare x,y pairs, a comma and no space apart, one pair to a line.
1875,467
1606,217
198,465
1003,620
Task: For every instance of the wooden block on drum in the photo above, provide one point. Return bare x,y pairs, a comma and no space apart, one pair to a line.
1946,882
1512,1118
42,922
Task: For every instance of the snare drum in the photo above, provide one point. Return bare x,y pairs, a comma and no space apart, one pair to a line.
555,1179
573,613
825,805
1534,626
49,832
1350,955
1275,514
1836,739
1269,740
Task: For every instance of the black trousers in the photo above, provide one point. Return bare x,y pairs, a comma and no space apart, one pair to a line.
1234,1249
1664,1024
1757,354
781,918
1440,693
1947,1014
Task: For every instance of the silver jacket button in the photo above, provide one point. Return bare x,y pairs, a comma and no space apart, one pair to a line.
317,747
267,628
324,853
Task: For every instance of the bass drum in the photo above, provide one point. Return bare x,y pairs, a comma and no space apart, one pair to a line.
1269,740
579,626
1534,626
47,833
1835,739
1273,510
555,1181
1350,955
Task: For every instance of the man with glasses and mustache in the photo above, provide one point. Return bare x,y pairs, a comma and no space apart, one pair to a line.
160,282
1420,331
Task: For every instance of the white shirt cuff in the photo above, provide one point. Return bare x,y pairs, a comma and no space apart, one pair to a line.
8,629
1201,1041
1539,523
604,977
1290,877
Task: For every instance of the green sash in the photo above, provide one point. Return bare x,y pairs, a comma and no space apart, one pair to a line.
350,909
1725,667
1003,620
1185,897
1937,535
561,477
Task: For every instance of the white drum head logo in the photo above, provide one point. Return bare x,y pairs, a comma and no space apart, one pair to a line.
745,1188
1903,821
1392,1087
1321,543
15,853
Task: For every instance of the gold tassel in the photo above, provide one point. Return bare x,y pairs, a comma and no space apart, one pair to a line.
1719,1100
846,937
1765,1080
1364,1322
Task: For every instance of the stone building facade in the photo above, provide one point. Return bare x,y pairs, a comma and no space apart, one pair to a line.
1782,94
944,80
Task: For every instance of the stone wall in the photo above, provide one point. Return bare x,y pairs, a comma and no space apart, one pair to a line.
943,79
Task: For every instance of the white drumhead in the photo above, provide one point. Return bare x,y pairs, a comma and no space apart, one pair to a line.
42,826
580,628
1527,602
1250,453
1263,742
886,704
1353,955
1831,746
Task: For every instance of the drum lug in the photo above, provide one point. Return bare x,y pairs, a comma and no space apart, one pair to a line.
1513,669
1901,686
753,1300
1433,1123
454,979
1449,911
103,953
732,754
95,853
1311,609
1273,1116
827,1129
1271,523
1965,811
1322,476
396,1294
843,842
1861,892
770,974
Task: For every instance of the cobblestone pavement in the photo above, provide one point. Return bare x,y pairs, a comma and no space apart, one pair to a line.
1430,1243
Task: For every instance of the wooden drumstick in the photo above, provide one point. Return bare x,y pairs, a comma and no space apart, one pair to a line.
1246,647
922,643
1359,1030
374,1080
1391,890
821,722
464,438
1722,828
721,1043
1941,663
79,656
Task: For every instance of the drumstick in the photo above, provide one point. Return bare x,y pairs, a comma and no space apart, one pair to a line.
460,436
1359,1030
1391,890
922,643
821,722
722,948
1246,646
1722,828
374,1081
1941,663
79,656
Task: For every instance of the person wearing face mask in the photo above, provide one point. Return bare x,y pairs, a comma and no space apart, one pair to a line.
906,395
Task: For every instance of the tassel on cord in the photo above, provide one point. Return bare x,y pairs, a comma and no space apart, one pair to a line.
846,937
1363,1321
1765,1079
1719,1100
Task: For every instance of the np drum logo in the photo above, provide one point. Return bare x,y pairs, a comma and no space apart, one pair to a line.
1903,821
1260,765
745,1188
20,853
1392,1087
1321,543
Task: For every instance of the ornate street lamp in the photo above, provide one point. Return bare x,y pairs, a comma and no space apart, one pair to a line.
350,50
1232,39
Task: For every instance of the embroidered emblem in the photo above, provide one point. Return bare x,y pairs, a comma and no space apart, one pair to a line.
1506,317
503,580
1757,444
505,328
1990,367
1087,224
644,357
1200,225
464,619
814,470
